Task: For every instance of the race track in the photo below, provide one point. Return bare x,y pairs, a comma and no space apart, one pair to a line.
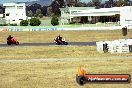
52,44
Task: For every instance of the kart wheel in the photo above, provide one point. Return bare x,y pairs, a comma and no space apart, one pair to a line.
81,80
8,43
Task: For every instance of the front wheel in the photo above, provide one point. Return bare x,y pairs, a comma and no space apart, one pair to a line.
66,43
17,43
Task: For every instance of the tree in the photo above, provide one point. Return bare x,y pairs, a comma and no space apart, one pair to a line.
35,22
38,13
44,10
24,23
72,2
96,3
90,4
61,3
54,21
111,3
33,8
30,13
123,3
81,4
49,11
2,9
55,8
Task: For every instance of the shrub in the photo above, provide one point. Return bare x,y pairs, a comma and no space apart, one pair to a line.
13,24
24,23
3,24
54,21
35,22
72,23
40,15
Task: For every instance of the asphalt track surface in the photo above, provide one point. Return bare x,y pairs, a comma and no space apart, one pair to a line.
53,44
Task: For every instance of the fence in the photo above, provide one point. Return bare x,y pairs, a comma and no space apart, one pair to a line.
10,28
52,28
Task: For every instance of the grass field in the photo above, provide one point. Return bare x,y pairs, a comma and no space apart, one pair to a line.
56,66
70,36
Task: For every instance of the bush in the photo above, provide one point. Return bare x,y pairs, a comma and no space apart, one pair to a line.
24,23
3,24
72,23
40,15
54,21
35,22
13,24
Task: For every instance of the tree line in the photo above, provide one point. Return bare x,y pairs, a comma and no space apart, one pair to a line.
36,10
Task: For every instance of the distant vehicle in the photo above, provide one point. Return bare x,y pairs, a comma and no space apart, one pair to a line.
60,41
12,40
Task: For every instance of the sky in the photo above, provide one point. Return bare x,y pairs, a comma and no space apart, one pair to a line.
5,1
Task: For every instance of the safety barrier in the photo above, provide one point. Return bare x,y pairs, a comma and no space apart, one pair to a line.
29,29
54,28
117,46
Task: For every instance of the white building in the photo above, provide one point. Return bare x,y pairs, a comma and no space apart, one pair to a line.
124,12
15,12
1,15
68,13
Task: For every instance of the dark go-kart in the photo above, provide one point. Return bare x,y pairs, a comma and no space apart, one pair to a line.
11,41
60,42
